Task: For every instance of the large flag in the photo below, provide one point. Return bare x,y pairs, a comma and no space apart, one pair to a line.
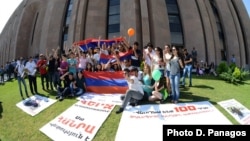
122,56
105,82
93,43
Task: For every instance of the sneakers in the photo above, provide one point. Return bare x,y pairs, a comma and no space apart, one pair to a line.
119,111
190,85
61,98
133,104
122,97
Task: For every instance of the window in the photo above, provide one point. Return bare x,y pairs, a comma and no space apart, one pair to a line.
66,23
174,22
113,18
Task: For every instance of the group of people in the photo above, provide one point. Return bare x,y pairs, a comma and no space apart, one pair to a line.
174,65
63,71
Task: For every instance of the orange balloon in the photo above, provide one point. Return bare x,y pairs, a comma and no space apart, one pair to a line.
131,32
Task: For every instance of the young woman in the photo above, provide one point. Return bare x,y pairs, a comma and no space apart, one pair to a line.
89,67
147,81
167,56
175,68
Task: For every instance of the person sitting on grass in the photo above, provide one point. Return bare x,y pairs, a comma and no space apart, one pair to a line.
78,87
159,92
134,91
65,91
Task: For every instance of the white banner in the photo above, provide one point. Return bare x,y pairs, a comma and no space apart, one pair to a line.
80,122
105,98
35,104
145,122
237,110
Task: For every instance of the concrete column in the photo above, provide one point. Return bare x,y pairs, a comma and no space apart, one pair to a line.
208,32
241,61
192,27
145,33
217,46
48,8
245,26
55,25
230,33
96,19
159,27
130,18
80,20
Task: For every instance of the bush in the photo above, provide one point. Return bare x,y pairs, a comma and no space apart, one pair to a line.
222,68
234,75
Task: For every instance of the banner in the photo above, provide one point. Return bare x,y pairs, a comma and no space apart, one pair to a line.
105,82
237,110
145,122
104,98
80,122
35,104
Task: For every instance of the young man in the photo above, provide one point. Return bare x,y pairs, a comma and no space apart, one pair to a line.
42,66
31,69
65,91
135,90
20,70
188,66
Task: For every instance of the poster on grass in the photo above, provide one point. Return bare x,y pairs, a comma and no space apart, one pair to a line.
237,110
35,104
145,122
80,122
113,98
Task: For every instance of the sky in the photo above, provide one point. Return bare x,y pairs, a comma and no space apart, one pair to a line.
7,7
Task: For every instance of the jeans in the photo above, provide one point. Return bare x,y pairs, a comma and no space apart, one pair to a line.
51,79
131,94
175,82
22,80
33,84
45,76
187,71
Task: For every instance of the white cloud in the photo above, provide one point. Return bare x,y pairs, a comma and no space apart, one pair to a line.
7,7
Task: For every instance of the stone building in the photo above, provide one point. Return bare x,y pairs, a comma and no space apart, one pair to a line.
216,28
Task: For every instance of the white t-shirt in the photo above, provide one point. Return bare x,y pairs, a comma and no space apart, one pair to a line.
31,66
137,85
167,58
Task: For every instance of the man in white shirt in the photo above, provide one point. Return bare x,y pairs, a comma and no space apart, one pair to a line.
20,70
31,69
135,90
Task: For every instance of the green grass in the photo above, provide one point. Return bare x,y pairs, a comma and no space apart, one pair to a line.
15,125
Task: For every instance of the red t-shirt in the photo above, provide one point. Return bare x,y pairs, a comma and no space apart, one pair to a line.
41,65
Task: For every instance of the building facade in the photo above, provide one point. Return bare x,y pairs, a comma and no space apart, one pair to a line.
216,28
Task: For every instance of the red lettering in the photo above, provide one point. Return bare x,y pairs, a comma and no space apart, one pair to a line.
80,124
108,106
91,103
72,124
90,129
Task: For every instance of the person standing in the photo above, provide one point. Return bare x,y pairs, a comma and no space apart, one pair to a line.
175,68
42,66
188,67
20,71
167,56
136,55
31,69
194,55
233,60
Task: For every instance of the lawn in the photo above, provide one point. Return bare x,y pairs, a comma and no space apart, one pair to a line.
15,125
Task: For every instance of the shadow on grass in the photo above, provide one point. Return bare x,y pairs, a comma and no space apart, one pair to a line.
189,97
203,87
1,110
